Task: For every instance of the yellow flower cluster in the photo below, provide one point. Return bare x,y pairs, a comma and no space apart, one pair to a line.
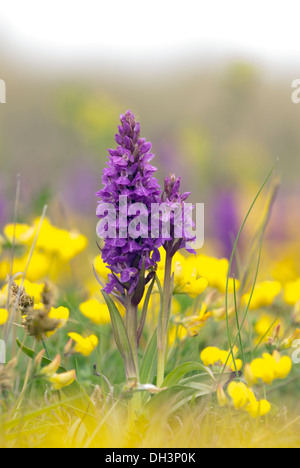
54,247
186,277
193,274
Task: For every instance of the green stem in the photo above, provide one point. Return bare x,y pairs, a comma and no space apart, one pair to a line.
134,404
45,348
132,328
163,324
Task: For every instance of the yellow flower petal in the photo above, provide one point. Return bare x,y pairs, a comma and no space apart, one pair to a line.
59,381
3,316
84,346
98,313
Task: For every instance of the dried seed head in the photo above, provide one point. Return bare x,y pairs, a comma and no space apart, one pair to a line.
37,323
48,296
25,302
7,375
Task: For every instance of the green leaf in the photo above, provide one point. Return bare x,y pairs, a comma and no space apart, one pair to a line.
32,354
174,397
145,310
45,362
176,375
159,323
121,336
148,366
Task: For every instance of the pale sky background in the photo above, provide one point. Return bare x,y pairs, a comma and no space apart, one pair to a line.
156,32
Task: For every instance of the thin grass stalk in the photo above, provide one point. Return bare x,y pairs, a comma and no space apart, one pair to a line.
11,319
230,266
163,324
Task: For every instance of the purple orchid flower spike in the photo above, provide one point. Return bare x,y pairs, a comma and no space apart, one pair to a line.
130,174
172,196
132,259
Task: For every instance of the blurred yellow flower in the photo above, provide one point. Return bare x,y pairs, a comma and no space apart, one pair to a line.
23,233
213,355
39,266
288,342
194,323
100,267
195,286
269,368
292,292
265,327
97,312
263,295
66,244
33,290
84,346
238,391
3,316
222,399
61,314
50,369
243,398
65,379
215,270
257,408
48,372
177,332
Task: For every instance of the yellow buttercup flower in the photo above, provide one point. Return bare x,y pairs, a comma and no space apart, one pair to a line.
213,355
292,292
243,398
66,244
39,266
3,316
23,233
179,267
238,391
98,313
210,356
270,367
263,295
215,270
265,327
84,346
195,286
186,277
258,408
101,267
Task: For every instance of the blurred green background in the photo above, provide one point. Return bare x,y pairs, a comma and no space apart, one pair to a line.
219,120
